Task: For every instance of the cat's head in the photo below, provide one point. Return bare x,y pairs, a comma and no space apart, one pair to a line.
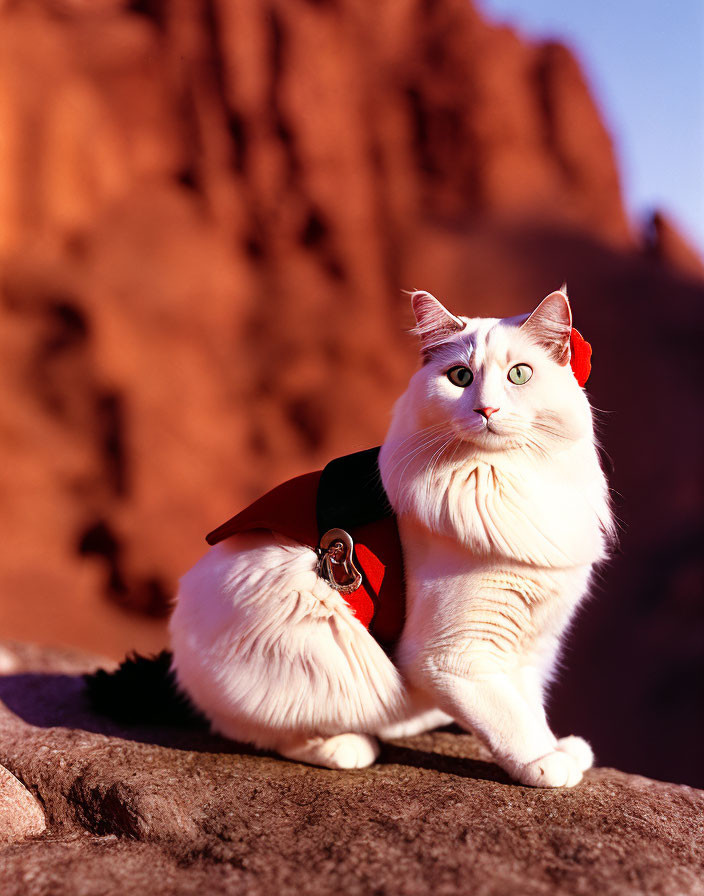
501,384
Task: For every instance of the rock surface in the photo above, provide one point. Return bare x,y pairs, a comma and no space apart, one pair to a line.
20,813
179,812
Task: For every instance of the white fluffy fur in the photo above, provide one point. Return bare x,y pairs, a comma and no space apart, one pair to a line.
501,522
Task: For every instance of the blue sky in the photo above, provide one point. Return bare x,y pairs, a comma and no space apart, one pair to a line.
644,60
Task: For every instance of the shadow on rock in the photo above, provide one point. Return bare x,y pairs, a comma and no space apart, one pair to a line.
461,766
47,700
59,701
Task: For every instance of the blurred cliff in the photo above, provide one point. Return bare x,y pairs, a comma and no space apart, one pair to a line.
207,213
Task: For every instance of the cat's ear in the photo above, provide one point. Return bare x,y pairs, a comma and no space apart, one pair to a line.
550,325
434,323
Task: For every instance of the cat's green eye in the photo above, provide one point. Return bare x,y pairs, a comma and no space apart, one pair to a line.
520,374
460,376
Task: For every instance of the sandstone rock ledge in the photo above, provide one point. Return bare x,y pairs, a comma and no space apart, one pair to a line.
180,812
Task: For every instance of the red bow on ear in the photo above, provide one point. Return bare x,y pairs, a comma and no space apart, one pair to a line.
580,357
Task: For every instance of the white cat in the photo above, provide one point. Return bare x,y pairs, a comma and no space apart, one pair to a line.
491,468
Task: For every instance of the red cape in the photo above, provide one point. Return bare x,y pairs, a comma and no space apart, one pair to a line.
292,509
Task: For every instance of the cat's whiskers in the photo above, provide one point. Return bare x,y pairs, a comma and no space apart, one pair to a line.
532,446
442,439
550,430
459,445
434,463
526,437
430,445
526,440
414,452
419,434
428,436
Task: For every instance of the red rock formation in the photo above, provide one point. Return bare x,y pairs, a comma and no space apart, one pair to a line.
207,212
665,243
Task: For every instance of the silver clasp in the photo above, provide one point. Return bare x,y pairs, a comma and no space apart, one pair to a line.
336,564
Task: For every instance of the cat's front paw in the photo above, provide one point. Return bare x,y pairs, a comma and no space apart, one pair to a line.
350,751
343,751
558,769
578,749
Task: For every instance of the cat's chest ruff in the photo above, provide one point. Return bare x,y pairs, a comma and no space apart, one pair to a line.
347,494
475,509
524,515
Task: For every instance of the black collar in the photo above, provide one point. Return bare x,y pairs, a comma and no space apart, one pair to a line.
350,493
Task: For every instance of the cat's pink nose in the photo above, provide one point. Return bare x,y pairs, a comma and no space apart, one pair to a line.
486,412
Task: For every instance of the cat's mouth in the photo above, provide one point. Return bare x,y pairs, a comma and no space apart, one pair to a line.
488,435
491,437
489,426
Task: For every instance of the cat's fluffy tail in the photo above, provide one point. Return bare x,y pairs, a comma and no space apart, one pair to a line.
142,690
